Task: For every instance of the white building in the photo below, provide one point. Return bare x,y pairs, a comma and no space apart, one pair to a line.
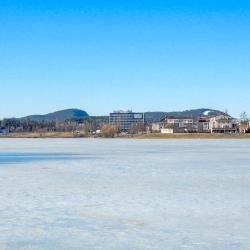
223,124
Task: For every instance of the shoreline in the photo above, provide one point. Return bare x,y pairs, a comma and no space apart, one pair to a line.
131,136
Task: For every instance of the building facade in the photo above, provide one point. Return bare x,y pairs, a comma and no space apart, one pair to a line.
223,124
124,120
178,124
205,124
178,121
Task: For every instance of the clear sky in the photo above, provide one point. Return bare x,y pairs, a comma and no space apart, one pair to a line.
148,55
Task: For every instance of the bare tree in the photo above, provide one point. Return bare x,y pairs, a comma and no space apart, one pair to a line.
243,116
108,130
244,124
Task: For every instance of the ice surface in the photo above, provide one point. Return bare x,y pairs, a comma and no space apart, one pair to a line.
124,194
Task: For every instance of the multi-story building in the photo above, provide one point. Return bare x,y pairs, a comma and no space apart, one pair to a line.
178,124
223,124
178,121
124,120
157,127
205,124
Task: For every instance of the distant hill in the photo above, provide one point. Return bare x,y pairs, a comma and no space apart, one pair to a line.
77,114
156,116
61,115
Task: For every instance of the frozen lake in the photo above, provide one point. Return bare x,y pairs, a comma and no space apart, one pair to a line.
124,194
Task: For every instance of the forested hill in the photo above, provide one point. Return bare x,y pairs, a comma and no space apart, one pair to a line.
61,115
156,116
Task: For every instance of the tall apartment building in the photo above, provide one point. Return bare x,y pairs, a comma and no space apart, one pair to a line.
125,119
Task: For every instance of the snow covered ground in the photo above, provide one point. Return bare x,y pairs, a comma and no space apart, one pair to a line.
124,194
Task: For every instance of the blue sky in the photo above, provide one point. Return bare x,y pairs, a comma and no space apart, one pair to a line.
105,55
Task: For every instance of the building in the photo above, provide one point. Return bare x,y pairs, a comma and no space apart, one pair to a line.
204,124
124,120
178,124
168,131
223,124
178,121
156,127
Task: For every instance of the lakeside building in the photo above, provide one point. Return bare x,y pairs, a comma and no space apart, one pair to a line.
124,120
223,124
178,124
206,124
156,127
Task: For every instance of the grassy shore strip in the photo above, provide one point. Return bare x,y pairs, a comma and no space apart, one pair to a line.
189,136
43,135
136,136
